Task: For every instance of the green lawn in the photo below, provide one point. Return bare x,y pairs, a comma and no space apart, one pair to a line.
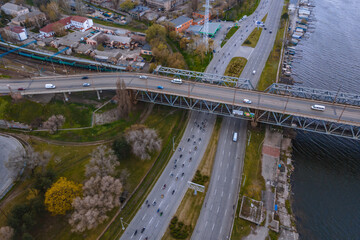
26,111
268,76
252,181
235,67
132,26
246,7
253,38
229,34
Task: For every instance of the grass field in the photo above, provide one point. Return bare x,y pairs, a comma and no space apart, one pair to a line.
252,181
190,207
235,67
246,7
268,75
253,38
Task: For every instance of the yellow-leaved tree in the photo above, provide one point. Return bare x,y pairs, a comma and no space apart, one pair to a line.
59,197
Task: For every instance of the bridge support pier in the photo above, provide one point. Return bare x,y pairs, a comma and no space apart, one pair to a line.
66,98
98,94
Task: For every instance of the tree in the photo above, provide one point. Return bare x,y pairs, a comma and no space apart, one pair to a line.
285,16
16,161
183,43
102,163
6,233
102,38
121,148
101,194
155,31
126,5
143,141
176,60
44,180
52,10
59,197
59,29
201,51
194,5
54,123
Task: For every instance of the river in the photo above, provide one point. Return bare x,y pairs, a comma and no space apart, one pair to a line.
326,180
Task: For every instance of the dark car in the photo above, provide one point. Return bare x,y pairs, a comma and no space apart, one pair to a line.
135,232
85,77
173,191
21,89
270,31
142,230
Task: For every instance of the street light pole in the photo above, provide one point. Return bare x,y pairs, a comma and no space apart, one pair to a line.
173,143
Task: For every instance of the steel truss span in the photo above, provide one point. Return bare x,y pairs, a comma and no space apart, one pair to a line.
205,77
315,94
273,118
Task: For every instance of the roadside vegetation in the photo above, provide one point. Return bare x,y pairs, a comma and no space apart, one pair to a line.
186,216
229,34
240,9
268,75
252,181
235,67
253,38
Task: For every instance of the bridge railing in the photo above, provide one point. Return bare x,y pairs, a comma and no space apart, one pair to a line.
205,77
315,94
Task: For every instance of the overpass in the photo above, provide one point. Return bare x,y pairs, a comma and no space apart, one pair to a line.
280,105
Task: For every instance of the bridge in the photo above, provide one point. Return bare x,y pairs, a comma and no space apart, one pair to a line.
280,105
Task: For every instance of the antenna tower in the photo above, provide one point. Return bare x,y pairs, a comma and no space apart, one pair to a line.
206,24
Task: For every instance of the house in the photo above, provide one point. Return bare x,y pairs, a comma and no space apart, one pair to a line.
16,32
181,23
75,22
165,4
13,9
146,50
32,18
138,11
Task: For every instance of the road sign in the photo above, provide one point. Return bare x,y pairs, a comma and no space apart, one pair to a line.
196,187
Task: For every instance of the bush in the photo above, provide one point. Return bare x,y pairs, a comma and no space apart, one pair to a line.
121,148
247,42
179,230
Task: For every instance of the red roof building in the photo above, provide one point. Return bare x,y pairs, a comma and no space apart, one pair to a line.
77,22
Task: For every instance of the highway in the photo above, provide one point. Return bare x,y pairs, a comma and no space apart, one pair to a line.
162,202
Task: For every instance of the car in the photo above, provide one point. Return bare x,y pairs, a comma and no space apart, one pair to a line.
270,31
86,84
135,232
248,101
253,72
154,203
160,87
175,166
146,202
50,86
21,89
180,155
161,213
164,186
158,210
264,28
182,174
143,77
85,77
142,230
173,191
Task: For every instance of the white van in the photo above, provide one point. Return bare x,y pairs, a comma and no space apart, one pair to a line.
318,107
177,81
235,137
50,86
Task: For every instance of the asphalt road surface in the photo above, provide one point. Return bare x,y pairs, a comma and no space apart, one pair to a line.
218,210
162,202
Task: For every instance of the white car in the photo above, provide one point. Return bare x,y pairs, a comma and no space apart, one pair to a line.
247,101
143,77
254,72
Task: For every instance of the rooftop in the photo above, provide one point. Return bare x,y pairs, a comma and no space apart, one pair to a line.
180,20
15,29
12,6
213,27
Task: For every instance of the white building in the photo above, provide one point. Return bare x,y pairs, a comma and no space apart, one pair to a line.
76,22
16,32
13,9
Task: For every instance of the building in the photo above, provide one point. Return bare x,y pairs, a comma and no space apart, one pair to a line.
165,4
16,32
74,22
146,50
213,28
13,9
31,18
181,23
138,11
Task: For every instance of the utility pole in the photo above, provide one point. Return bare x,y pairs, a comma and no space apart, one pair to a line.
173,143
341,113
337,93
234,97
287,100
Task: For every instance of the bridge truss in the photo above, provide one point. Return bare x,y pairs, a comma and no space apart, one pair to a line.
205,77
273,118
315,94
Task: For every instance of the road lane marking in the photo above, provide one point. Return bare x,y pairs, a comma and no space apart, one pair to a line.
229,154
232,181
157,224
218,210
212,229
211,206
206,223
225,212
222,193
166,207
221,229
215,191
218,177
220,163
228,165
143,217
225,179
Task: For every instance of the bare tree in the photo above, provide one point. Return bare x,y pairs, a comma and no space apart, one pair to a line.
101,194
143,141
54,123
16,161
101,39
102,163
6,233
124,98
